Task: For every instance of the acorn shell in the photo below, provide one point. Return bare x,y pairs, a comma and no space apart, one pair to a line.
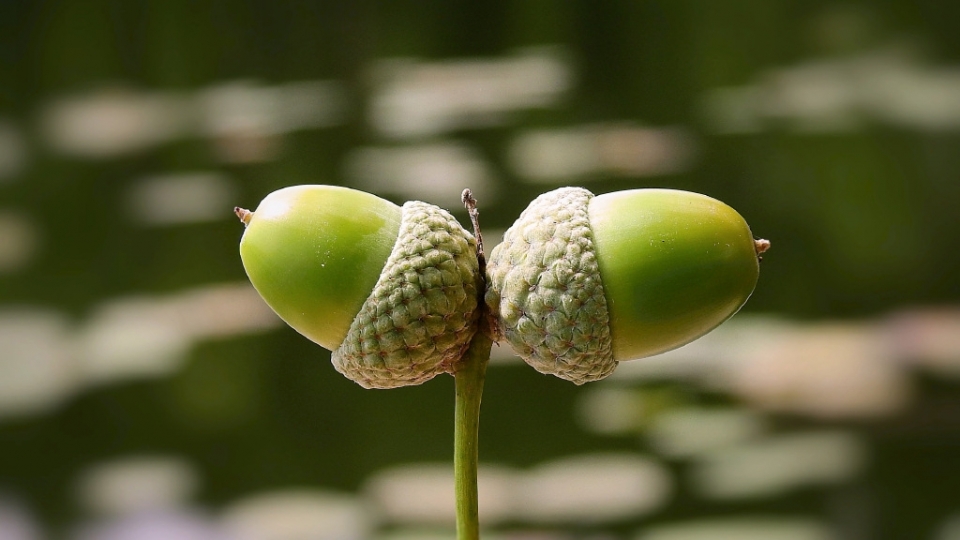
675,265
315,252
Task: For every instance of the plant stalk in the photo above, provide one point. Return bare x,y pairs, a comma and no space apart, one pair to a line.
469,377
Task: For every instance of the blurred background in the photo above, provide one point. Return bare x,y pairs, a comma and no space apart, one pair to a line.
147,393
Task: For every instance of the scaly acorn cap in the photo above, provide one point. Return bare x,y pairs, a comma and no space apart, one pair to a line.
391,291
580,283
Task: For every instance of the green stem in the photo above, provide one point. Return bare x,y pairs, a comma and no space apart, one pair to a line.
469,382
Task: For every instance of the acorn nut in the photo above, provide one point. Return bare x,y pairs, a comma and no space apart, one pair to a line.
580,282
392,291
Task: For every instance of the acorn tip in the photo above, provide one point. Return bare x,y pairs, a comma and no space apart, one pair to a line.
761,245
243,214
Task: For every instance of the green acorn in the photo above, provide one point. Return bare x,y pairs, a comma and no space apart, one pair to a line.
580,283
392,291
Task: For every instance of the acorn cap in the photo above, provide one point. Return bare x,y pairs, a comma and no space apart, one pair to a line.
544,283
391,291
582,282
422,313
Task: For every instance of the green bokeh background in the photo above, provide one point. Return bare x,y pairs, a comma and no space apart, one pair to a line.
863,222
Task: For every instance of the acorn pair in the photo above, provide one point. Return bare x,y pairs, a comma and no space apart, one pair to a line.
578,284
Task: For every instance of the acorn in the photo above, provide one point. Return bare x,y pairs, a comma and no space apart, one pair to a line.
582,282
392,291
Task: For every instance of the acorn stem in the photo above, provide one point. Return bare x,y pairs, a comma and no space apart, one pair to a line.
469,376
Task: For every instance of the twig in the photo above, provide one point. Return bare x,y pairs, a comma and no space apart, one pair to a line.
471,204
